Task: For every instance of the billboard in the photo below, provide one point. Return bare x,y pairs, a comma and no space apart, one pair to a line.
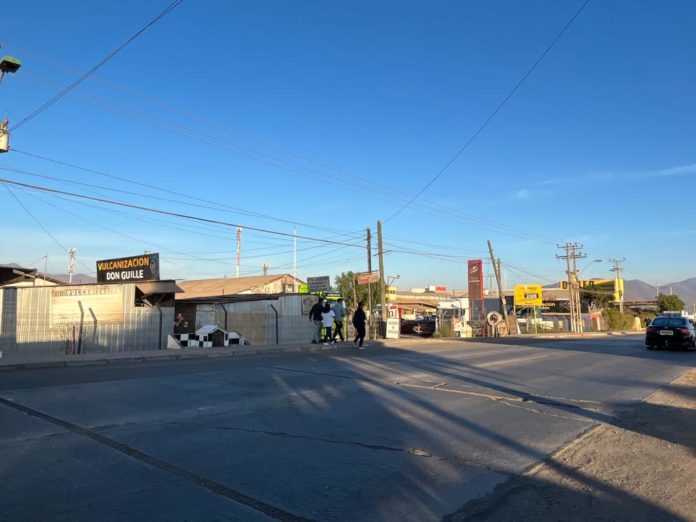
89,303
528,295
319,284
125,269
475,279
364,278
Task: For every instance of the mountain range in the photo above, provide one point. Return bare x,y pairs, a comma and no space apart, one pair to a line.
637,290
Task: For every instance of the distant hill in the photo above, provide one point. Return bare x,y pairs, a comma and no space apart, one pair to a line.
637,290
76,278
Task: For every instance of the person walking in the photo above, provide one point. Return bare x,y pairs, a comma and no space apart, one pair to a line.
327,316
359,319
340,313
315,317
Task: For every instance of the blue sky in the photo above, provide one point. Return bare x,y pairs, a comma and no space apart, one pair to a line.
331,115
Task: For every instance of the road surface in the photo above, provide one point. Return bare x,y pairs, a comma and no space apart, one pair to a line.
380,434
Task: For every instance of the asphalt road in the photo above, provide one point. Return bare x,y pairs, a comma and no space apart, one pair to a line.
383,434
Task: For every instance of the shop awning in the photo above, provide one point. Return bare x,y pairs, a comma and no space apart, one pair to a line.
158,287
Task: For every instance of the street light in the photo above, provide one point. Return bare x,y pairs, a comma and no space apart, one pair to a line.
391,279
589,265
9,64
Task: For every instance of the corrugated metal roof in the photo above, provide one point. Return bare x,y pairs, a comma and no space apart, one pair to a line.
229,285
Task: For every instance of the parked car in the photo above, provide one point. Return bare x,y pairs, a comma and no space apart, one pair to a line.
670,331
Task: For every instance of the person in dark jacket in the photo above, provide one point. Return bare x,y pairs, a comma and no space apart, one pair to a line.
359,319
315,317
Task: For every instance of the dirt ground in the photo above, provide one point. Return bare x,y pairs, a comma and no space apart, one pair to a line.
642,467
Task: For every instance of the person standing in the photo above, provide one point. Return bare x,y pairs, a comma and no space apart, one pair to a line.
315,317
327,316
359,319
340,313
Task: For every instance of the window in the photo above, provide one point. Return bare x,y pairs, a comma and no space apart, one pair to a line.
669,321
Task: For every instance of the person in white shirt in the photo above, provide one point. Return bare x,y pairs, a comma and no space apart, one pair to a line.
327,317
340,313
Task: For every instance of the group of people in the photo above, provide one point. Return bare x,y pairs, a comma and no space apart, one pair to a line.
328,322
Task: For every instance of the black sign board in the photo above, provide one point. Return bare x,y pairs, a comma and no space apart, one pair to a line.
319,284
125,269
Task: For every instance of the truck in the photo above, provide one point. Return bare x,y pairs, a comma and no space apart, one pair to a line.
453,316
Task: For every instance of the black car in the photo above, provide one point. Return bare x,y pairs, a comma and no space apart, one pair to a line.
670,331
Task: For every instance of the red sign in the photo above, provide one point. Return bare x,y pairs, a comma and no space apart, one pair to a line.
440,288
475,278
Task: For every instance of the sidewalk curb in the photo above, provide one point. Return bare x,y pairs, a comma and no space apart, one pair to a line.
171,355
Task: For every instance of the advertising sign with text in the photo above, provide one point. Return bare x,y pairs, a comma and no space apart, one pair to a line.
87,303
319,284
126,269
475,279
528,295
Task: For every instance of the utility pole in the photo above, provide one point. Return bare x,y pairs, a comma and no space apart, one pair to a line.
572,254
369,269
618,286
239,248
382,296
496,269
71,264
294,260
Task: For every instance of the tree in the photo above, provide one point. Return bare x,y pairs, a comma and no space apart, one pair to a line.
345,284
669,302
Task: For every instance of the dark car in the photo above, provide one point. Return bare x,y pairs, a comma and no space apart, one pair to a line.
670,331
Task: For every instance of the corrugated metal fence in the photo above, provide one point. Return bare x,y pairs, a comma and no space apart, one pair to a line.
256,320
27,331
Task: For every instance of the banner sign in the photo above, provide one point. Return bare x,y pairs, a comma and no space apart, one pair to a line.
124,269
87,303
365,278
528,295
308,301
319,284
475,279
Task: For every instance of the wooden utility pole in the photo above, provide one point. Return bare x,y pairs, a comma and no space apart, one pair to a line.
369,269
496,269
382,296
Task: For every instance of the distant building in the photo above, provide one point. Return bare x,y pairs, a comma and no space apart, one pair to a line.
264,284
15,275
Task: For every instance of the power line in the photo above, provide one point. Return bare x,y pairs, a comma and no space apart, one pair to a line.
33,217
493,114
169,213
91,71
227,208
368,190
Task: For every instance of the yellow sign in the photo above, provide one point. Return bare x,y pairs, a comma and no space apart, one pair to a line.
528,295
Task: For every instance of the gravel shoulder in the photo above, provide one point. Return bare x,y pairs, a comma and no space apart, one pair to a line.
641,467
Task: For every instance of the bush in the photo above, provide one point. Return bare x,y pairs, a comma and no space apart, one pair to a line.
615,320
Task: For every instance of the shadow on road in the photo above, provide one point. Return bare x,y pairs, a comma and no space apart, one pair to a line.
331,436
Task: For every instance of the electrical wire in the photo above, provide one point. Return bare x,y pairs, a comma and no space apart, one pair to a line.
169,213
96,67
33,217
493,114
388,194
221,206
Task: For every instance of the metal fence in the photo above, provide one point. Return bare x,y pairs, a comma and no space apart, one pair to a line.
28,331
265,321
